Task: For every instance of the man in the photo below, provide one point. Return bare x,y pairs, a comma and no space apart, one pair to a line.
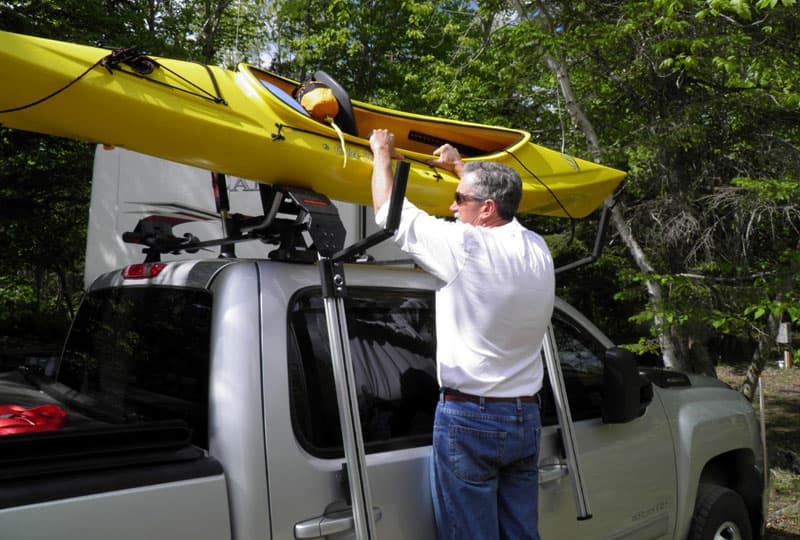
492,310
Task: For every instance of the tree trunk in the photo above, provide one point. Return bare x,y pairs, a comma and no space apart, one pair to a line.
767,341
38,287
691,346
561,71
756,367
668,355
64,294
214,9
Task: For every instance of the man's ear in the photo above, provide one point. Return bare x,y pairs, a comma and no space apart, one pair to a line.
489,208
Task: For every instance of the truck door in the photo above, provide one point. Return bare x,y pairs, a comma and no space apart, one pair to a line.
628,469
392,342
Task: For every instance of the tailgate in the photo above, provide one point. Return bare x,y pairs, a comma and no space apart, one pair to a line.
93,484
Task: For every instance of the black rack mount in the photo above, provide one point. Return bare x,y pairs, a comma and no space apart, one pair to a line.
297,223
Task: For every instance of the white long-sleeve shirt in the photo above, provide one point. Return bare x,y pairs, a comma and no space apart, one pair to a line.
494,303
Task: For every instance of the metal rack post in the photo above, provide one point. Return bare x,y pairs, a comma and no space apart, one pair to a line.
334,291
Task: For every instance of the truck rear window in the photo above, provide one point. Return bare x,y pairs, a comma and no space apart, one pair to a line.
134,355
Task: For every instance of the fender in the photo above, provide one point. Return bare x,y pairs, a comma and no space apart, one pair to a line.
714,424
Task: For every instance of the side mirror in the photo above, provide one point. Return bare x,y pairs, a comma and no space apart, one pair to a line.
625,392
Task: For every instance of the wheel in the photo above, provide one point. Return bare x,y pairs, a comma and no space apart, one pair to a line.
346,119
719,514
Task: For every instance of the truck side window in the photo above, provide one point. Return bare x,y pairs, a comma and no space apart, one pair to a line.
582,366
392,342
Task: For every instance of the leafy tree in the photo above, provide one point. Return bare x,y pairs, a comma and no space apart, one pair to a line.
45,181
731,115
380,51
44,192
696,99
690,105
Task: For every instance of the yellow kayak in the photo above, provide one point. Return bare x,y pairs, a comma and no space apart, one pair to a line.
247,124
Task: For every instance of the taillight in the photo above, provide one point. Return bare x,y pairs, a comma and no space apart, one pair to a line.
143,271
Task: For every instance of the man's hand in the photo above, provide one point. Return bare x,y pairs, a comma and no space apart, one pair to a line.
449,159
381,141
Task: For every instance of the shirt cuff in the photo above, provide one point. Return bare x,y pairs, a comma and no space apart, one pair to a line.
383,214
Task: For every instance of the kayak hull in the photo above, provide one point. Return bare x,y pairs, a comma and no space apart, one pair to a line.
244,123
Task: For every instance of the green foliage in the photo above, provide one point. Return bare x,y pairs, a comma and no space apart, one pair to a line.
45,181
15,296
699,100
780,292
382,52
780,190
44,194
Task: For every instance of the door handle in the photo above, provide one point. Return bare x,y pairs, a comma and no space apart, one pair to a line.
552,471
325,525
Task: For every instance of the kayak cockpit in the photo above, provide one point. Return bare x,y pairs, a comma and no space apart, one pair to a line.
414,133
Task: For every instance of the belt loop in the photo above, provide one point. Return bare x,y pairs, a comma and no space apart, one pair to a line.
441,395
519,406
483,403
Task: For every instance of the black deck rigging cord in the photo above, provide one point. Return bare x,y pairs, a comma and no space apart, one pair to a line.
142,66
550,191
137,61
552,194
53,94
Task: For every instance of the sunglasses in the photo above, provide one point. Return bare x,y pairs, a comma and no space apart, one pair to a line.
461,198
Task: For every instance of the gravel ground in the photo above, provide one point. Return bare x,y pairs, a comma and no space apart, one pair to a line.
782,405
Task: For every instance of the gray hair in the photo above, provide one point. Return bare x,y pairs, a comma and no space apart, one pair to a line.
497,182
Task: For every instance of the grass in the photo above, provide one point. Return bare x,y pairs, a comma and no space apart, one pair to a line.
782,405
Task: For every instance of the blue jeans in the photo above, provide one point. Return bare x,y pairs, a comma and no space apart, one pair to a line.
484,470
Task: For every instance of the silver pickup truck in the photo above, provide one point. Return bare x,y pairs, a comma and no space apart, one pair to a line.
202,403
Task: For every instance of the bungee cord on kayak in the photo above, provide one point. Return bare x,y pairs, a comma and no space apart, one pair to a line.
142,66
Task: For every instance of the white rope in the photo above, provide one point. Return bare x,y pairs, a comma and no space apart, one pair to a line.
341,139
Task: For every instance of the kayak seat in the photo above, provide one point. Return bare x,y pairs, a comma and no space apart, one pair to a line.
285,97
346,119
